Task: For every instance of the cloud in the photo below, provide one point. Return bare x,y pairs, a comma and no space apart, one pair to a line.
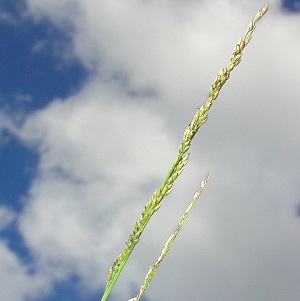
83,180
7,216
104,150
17,282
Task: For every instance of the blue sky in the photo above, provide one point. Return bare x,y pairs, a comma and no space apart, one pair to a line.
30,79
86,127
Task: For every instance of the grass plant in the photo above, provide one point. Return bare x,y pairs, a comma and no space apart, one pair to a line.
176,169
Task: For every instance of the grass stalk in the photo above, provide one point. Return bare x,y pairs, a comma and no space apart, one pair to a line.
182,157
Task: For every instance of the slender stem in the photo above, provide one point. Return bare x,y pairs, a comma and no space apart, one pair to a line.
165,250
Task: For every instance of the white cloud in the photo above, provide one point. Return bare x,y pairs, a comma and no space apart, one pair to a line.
16,282
94,164
7,216
103,151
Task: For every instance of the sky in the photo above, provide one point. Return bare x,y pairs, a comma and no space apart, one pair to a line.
94,99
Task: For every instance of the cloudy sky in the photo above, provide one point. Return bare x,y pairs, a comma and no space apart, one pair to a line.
94,98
